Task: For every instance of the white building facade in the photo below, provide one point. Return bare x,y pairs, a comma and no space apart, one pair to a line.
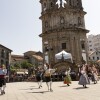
93,42
94,56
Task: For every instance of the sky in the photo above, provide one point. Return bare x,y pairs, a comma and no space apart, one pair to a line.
20,24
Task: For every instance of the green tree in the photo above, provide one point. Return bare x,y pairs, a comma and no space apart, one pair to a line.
26,65
17,66
12,70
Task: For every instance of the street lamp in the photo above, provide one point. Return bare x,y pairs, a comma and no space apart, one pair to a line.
47,51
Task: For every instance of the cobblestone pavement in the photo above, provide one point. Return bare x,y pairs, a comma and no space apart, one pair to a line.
30,91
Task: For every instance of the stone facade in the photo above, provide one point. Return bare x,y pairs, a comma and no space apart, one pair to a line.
32,57
5,55
94,55
63,28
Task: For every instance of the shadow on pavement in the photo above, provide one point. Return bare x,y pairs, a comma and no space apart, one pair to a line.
39,92
80,88
32,86
29,88
64,86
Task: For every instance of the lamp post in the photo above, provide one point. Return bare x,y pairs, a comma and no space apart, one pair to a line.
8,73
62,58
47,51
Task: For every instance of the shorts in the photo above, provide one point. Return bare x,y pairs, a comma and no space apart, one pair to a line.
38,78
48,78
2,82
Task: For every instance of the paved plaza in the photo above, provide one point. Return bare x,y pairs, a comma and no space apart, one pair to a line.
30,91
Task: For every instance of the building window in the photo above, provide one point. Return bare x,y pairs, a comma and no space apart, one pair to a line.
79,21
70,2
89,41
75,25
46,49
63,45
82,45
77,2
7,55
70,25
90,49
51,4
96,53
2,53
2,62
97,58
90,45
93,58
7,64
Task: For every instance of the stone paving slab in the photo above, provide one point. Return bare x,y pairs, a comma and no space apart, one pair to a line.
30,91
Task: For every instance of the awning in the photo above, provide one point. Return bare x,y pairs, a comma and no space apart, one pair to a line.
63,54
22,72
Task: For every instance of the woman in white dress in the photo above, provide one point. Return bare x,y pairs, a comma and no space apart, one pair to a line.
84,80
94,74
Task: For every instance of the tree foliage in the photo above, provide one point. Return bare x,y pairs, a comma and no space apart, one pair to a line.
26,65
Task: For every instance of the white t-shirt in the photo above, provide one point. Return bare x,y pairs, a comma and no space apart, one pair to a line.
51,71
1,72
5,71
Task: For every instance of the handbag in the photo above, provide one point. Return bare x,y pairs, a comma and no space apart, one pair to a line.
47,74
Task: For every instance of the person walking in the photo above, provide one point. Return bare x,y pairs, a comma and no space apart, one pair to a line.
2,79
84,80
94,74
39,76
47,75
67,78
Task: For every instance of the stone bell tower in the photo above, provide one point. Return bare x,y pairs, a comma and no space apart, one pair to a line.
63,28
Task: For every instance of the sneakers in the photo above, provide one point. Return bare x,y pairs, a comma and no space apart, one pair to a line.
68,85
51,90
40,86
2,92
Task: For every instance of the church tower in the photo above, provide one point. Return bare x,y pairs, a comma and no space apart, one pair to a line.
63,28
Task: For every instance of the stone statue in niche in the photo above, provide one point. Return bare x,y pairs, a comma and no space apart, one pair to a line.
61,3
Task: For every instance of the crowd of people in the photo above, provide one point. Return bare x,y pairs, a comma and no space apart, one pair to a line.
86,74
